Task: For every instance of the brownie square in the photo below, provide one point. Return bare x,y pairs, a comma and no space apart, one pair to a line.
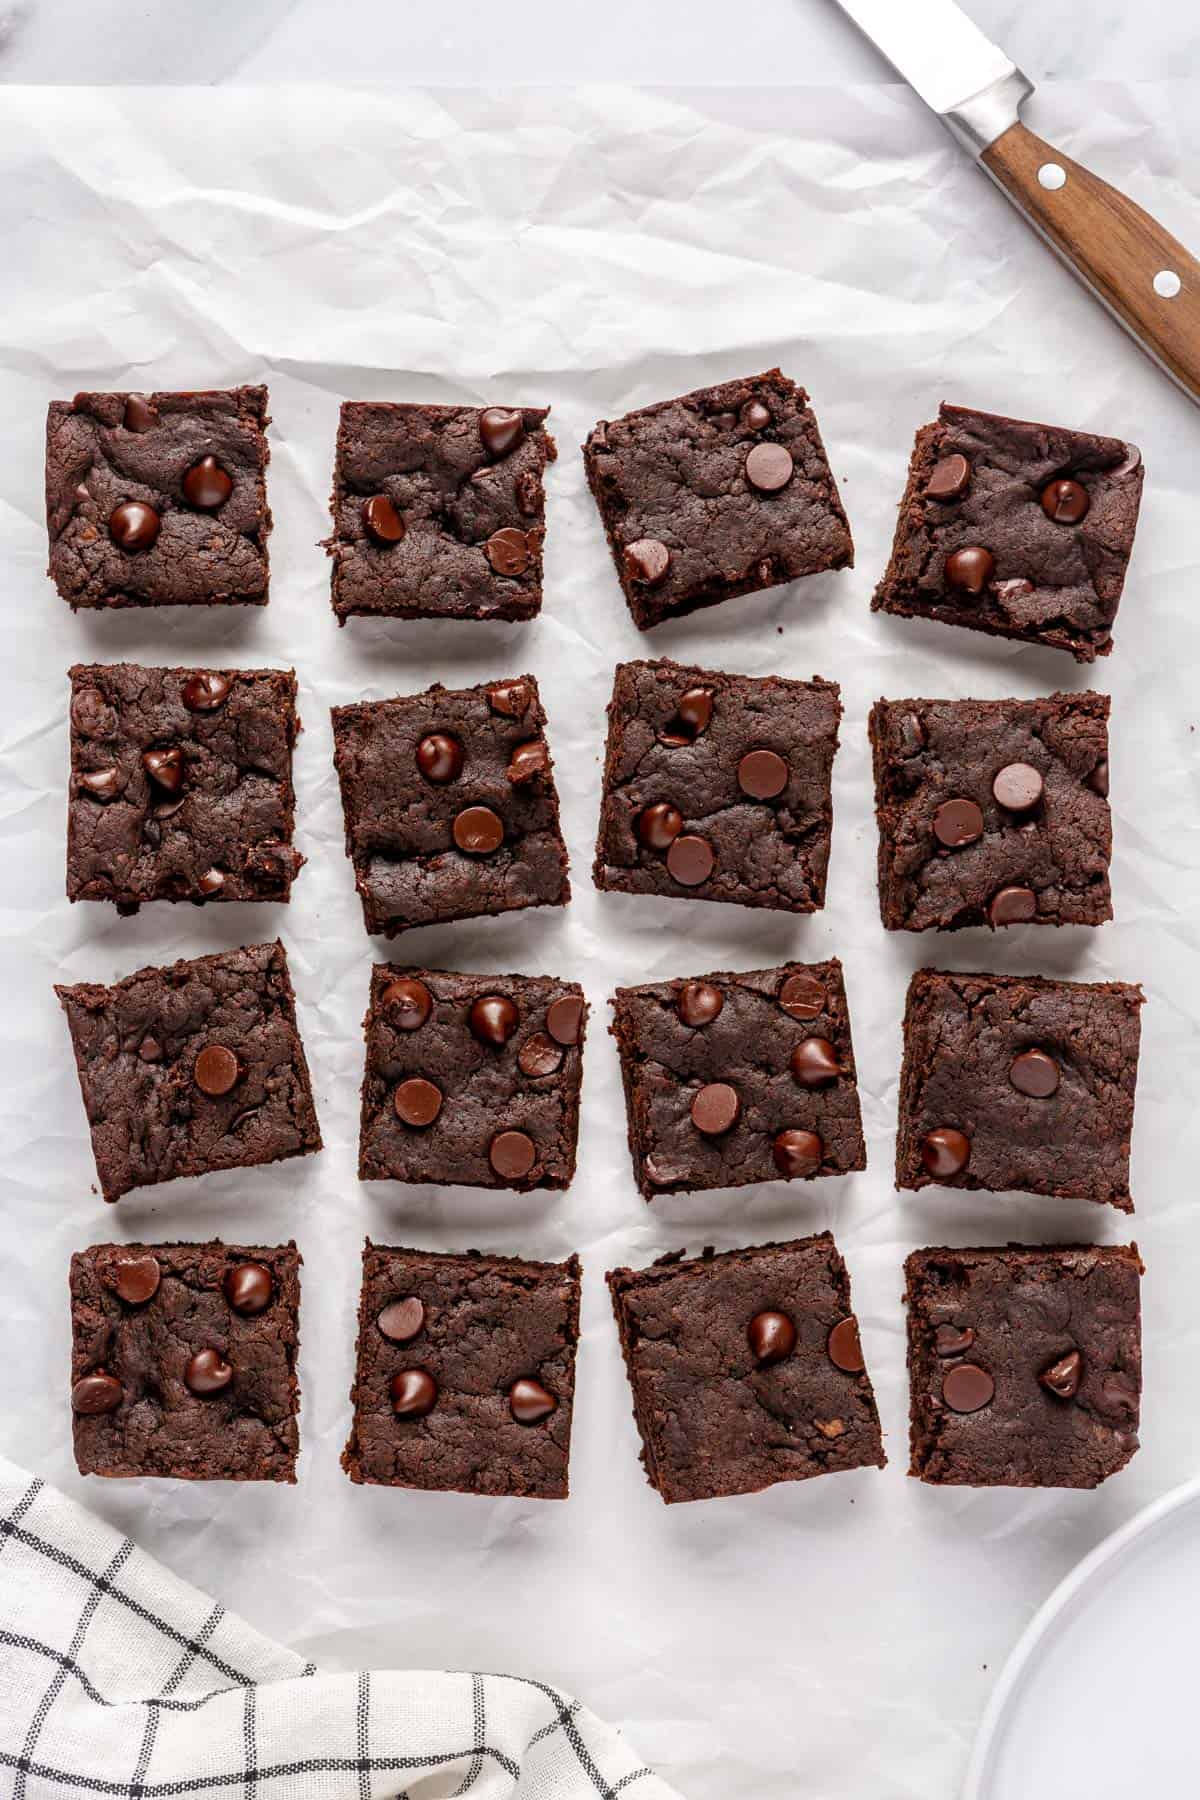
160,499
1025,1364
1017,529
992,812
734,1079
471,1080
721,492
450,805
717,787
183,1361
192,1068
465,1376
439,511
181,784
1010,1081
746,1369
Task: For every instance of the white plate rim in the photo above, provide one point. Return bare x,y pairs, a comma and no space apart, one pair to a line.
1069,1588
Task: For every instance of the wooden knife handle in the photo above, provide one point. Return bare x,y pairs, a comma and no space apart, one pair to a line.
1119,250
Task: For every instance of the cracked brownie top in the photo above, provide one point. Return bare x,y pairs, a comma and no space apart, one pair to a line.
746,1369
181,784
439,511
992,812
732,1079
717,787
1025,1365
183,1361
193,1067
158,499
1012,1081
721,492
450,806
1014,528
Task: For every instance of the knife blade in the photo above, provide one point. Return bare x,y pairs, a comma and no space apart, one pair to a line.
1132,264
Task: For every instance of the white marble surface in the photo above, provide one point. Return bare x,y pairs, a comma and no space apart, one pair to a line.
509,41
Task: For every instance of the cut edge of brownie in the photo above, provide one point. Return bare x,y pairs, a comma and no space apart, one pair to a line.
621,1281
646,616
922,1437
910,1175
285,1262
516,1267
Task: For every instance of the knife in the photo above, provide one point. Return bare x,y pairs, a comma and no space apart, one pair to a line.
1143,275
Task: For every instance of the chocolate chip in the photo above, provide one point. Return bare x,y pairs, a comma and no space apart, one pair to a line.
953,1340
815,1062
512,1154
1118,1393
1018,787
208,1373
417,1102
527,760
211,882
478,830
716,1108
957,822
723,421
913,735
843,1347
1129,462
510,698
508,551
401,1321
690,718
1098,779
94,1394
966,1388
140,415
647,560
690,860
945,1151
101,784
440,758
699,1003
1064,1376
150,1050
381,521
205,690
207,485
136,1278
1034,1073
216,1070
408,1003
165,768
769,467
1065,502
754,416
527,491
539,1056
970,568
493,1018
1010,591
797,1153
762,774
134,526
950,478
530,1402
772,1336
659,825
802,997
564,1019
500,429
413,1393
249,1287
1012,906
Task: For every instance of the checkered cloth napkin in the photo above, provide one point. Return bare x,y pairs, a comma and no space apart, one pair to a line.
116,1678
